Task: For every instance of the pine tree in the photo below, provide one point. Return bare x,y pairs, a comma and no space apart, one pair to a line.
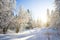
55,22
48,17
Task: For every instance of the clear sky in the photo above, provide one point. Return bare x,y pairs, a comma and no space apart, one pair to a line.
38,7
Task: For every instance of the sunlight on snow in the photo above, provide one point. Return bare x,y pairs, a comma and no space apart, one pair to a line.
25,38
26,32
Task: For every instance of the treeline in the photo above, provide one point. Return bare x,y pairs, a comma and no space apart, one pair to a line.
8,20
23,20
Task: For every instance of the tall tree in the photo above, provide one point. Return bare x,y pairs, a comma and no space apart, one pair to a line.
24,18
48,17
56,16
6,13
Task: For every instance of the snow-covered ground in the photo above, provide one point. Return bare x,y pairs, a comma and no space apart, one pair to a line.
34,34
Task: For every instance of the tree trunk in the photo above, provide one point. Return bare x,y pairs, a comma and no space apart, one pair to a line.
4,30
17,29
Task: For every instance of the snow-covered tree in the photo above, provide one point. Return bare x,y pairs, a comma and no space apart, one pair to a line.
48,17
6,13
55,21
24,18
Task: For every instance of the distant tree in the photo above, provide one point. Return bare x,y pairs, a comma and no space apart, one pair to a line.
30,19
24,18
48,17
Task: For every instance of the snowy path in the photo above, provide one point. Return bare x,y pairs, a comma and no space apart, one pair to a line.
35,34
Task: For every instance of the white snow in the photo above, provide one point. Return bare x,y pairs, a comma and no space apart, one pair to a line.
34,34
24,38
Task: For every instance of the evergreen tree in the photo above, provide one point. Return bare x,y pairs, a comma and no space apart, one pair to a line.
55,20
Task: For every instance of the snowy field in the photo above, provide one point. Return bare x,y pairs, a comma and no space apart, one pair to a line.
34,34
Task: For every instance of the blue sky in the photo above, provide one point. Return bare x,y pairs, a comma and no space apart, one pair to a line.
37,7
